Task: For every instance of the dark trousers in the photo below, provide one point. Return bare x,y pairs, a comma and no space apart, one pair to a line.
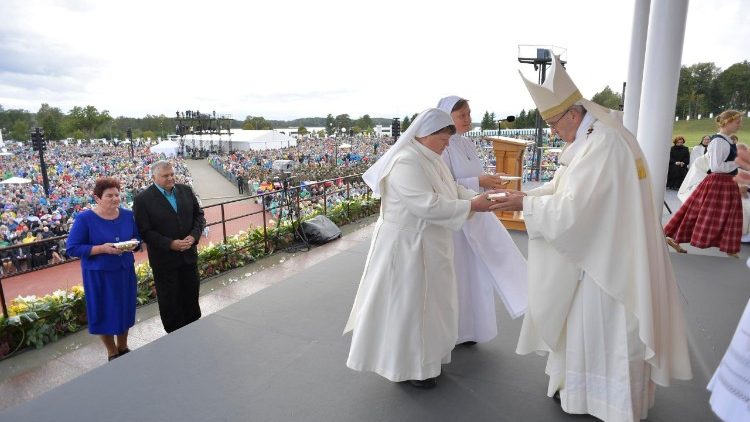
177,295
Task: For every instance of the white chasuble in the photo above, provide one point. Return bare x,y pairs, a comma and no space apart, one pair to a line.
602,295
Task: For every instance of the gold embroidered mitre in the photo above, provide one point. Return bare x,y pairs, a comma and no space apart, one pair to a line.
556,94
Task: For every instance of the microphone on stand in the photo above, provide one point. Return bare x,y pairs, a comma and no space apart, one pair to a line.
508,119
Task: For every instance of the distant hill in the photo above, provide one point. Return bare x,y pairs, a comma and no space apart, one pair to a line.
316,122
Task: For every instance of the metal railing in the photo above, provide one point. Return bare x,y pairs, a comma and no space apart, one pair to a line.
289,205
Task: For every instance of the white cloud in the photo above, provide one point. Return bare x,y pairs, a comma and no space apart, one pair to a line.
288,59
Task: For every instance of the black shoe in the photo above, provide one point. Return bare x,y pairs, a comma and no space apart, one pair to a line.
122,352
468,343
424,384
113,357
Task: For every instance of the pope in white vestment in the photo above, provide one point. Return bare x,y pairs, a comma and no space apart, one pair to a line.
404,319
603,300
486,258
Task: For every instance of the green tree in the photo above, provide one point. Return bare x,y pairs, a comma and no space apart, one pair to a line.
608,98
148,134
342,121
329,124
8,119
405,122
20,131
733,87
365,123
256,123
694,92
520,119
302,131
51,119
86,119
526,120
488,122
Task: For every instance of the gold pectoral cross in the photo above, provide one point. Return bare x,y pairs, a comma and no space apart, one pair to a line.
641,168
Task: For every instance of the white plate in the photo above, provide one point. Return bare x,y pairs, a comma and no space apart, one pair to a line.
128,244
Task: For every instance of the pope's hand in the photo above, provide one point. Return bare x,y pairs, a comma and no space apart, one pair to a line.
512,201
481,202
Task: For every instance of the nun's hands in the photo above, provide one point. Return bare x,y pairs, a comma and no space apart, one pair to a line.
492,181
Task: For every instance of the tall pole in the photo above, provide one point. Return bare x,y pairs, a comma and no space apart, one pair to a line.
39,144
661,75
539,132
632,92
130,144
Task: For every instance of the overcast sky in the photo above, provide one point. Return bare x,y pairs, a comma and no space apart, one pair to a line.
286,59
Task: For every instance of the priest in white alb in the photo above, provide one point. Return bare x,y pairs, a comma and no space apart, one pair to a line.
603,300
404,320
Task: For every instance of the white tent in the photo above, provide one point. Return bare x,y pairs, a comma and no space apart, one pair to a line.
168,148
243,140
15,181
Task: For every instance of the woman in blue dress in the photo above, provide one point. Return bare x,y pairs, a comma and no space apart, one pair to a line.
107,265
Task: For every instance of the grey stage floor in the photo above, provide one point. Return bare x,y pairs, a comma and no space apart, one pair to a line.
279,356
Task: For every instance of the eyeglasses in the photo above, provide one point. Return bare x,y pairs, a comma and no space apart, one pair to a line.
553,125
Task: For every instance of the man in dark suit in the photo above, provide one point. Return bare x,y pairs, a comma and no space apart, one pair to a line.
171,222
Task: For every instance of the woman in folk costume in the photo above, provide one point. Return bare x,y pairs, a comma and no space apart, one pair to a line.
712,215
699,169
603,300
485,255
404,319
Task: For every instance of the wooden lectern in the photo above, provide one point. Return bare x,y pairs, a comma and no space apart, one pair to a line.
509,160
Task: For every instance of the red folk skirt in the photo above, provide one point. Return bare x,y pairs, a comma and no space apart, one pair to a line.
711,217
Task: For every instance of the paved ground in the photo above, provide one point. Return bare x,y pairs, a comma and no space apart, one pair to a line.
279,355
34,372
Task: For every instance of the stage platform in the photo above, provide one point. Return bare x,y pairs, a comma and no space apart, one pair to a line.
279,355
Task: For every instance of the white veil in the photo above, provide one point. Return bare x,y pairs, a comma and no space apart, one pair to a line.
428,121
446,104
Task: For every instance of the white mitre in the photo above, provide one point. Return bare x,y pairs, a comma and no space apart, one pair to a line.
558,93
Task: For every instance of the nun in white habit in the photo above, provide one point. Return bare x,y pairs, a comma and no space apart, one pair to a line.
404,320
486,258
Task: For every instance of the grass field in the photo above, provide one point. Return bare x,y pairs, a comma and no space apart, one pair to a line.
693,130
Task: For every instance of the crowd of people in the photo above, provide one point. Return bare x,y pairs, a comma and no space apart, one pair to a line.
28,215
313,163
